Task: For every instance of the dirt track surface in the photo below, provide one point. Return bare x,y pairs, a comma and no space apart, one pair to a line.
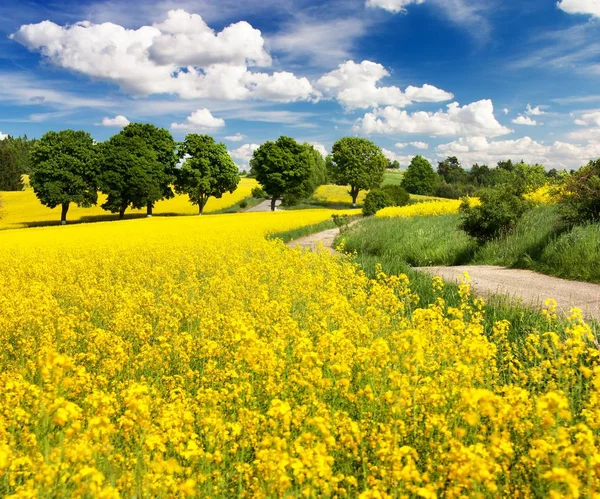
325,238
264,206
526,286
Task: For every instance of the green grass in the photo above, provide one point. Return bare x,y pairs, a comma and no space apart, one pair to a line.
392,177
307,230
237,208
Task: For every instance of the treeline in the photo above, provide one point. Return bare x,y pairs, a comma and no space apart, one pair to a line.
15,161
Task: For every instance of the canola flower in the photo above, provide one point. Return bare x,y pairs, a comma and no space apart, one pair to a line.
338,194
545,195
22,209
190,357
428,209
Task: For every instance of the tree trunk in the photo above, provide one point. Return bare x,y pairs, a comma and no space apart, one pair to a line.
63,215
273,203
354,193
122,211
201,205
149,209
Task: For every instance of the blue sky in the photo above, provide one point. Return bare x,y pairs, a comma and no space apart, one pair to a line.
480,79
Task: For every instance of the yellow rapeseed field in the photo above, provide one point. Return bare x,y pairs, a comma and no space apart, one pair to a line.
428,209
22,209
547,194
338,194
189,356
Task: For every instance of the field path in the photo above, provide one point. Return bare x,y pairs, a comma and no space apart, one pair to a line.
264,206
524,285
325,238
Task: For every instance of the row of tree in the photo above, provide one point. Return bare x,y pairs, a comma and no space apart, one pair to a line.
15,161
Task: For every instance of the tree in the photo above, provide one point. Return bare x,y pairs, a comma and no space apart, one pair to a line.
479,175
128,177
10,173
162,143
420,177
581,201
375,200
282,167
317,177
393,165
64,170
358,163
451,170
208,170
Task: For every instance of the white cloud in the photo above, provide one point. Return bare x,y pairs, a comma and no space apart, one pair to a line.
476,118
180,56
524,120
400,145
591,7
3,136
560,155
356,86
420,145
506,111
428,93
589,118
586,135
200,120
117,121
243,154
392,5
392,156
320,147
238,137
534,111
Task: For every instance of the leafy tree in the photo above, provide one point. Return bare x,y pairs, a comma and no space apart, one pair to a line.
162,143
397,194
64,170
393,165
420,177
208,170
283,168
10,172
451,170
128,177
375,200
357,162
498,214
479,175
318,176
581,201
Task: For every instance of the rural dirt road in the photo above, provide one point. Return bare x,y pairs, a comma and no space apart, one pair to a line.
264,206
523,286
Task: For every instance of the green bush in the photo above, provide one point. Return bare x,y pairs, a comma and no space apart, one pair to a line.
498,214
258,193
454,191
243,204
376,200
581,202
398,194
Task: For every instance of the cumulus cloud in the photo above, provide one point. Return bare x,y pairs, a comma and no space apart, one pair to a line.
355,86
590,118
560,155
404,160
586,135
476,119
3,136
320,148
418,145
243,154
534,111
117,121
524,120
392,5
238,137
506,111
200,120
180,56
591,7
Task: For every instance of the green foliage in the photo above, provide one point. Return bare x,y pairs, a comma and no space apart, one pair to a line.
393,165
258,193
498,214
340,220
128,166
451,171
243,204
10,173
454,191
358,163
581,202
161,142
65,170
376,200
318,176
397,194
480,175
420,177
208,170
283,168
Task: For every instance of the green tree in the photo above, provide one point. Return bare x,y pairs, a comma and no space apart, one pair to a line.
162,143
10,171
282,168
420,177
207,171
581,200
393,165
128,167
451,170
64,170
358,163
479,175
317,177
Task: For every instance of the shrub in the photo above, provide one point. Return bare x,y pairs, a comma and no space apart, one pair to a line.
420,178
243,204
498,213
376,200
258,193
453,191
398,194
581,199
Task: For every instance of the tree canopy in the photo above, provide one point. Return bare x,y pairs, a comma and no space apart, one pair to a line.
283,168
357,162
420,177
65,170
207,171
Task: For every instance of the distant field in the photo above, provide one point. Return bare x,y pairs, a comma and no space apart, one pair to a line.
393,177
22,209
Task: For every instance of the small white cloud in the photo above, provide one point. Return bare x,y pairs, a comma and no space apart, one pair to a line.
506,111
243,155
420,145
3,136
320,148
404,160
590,118
590,7
199,120
428,93
238,137
534,111
524,120
119,121
400,145
392,5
